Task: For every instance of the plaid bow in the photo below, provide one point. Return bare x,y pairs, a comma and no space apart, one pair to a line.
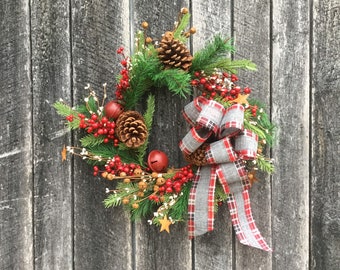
232,144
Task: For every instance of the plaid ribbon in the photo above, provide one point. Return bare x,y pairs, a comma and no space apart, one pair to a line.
226,163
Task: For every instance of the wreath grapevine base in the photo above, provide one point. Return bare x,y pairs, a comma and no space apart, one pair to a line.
226,142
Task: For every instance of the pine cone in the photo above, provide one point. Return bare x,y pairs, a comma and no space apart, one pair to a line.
131,129
173,53
198,157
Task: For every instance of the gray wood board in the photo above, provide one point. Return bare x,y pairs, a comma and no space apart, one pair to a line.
16,194
53,197
290,106
102,237
252,41
325,185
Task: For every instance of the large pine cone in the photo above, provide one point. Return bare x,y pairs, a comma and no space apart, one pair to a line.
131,129
173,53
198,157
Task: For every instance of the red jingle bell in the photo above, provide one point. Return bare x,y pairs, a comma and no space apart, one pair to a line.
113,109
158,161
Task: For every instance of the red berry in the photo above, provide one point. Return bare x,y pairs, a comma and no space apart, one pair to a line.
203,80
247,90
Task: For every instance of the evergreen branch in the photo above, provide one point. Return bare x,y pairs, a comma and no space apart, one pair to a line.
176,80
90,140
179,210
148,118
144,68
183,23
229,65
144,208
65,110
264,164
211,53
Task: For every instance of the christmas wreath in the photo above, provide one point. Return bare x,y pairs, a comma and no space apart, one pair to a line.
226,142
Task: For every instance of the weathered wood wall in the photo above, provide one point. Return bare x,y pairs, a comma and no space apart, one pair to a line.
51,213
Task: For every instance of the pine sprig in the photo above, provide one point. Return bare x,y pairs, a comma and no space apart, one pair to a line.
144,67
213,52
148,118
179,210
90,140
176,80
65,110
264,164
183,23
229,65
144,209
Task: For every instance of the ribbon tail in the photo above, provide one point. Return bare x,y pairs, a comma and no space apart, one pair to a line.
201,202
243,222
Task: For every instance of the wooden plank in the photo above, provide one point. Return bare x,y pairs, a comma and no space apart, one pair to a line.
325,220
102,237
155,250
53,200
252,41
290,101
213,250
16,229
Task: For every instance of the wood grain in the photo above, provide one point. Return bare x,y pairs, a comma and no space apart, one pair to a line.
252,41
16,194
154,250
325,229
102,237
290,105
53,200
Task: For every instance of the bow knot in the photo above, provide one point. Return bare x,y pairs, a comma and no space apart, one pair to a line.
230,144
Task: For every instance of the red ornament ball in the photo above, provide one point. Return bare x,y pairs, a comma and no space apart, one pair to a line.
113,109
158,161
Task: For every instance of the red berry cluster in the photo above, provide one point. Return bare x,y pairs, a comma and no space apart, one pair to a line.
117,168
99,126
123,84
173,184
218,84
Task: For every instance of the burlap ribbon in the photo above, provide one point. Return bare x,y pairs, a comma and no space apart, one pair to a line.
225,155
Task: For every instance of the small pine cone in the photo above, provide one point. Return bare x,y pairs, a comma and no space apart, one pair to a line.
131,129
173,53
198,157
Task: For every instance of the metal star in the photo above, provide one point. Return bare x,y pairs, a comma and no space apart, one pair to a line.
241,99
165,222
63,154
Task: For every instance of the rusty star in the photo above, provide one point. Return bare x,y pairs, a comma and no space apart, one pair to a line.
241,99
165,222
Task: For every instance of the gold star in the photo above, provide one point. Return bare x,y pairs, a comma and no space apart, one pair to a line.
165,224
63,154
241,99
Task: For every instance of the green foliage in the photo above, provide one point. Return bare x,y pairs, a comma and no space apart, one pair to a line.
265,165
65,110
212,52
125,190
145,208
179,210
229,65
148,118
145,65
176,80
183,24
90,140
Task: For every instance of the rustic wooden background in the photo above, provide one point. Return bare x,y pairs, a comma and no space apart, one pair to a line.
51,213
